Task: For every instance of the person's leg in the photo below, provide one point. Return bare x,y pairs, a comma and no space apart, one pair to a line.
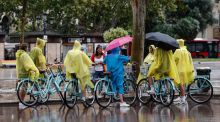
86,81
83,85
22,92
182,98
150,81
182,93
95,76
120,86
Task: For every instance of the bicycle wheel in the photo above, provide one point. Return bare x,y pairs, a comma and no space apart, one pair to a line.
90,98
62,88
201,90
27,92
142,94
43,97
129,92
156,96
166,92
70,97
103,93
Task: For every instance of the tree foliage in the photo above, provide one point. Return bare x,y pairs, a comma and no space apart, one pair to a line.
114,33
189,18
100,15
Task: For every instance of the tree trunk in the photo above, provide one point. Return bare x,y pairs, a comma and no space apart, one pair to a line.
23,20
139,13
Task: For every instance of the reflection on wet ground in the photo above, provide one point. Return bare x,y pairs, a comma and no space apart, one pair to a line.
153,112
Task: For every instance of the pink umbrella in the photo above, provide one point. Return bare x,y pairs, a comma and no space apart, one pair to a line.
118,42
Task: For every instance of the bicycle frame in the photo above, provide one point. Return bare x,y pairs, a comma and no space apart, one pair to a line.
186,86
109,85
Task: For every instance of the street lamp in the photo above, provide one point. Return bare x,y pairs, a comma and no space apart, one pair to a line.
45,25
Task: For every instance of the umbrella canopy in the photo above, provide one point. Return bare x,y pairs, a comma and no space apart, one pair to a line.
161,40
118,42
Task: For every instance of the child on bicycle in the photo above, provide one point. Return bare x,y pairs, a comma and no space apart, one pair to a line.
25,68
184,64
77,62
164,65
115,63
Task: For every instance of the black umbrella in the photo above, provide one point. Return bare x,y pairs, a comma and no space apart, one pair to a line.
161,40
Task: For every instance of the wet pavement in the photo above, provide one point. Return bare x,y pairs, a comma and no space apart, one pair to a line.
152,112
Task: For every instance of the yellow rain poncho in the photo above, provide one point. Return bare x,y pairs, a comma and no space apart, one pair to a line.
149,59
164,65
76,61
37,55
24,66
184,63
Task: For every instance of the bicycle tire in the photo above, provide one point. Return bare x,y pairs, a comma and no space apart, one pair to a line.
69,94
130,91
143,96
32,95
166,99
100,87
206,89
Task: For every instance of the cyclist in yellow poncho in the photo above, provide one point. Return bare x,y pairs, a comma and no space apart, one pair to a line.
149,59
164,65
184,64
76,61
37,54
25,68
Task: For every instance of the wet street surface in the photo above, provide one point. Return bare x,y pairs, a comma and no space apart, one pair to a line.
153,112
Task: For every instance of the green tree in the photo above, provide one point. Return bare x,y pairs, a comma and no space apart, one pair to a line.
187,28
189,18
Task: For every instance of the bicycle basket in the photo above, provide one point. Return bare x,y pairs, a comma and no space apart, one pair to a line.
144,69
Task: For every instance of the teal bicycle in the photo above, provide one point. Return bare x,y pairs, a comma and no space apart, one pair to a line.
73,92
53,83
39,90
164,89
200,90
104,93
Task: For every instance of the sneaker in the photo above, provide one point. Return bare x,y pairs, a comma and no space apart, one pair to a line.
83,98
151,91
124,104
90,97
124,109
181,101
100,96
145,95
177,99
21,106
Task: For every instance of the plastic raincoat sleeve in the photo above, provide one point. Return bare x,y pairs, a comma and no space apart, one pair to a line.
124,58
29,66
86,59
